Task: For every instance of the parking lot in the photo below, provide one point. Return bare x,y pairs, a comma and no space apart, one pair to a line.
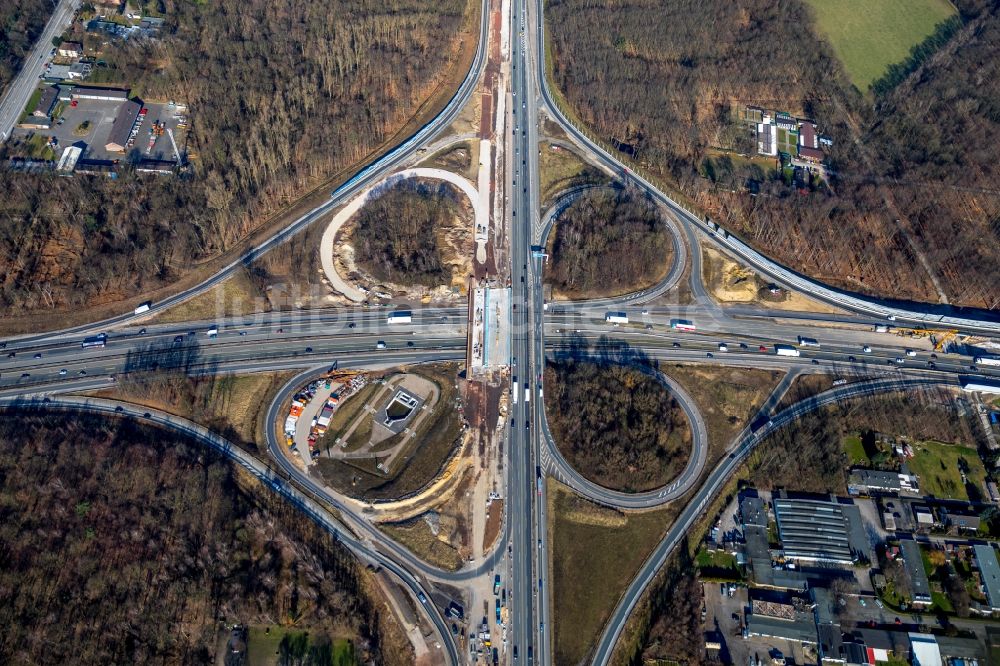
88,125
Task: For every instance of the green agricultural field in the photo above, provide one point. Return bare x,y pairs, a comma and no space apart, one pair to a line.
870,35
938,466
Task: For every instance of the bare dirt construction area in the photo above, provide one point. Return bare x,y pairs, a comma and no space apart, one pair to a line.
368,459
461,158
442,534
414,240
730,282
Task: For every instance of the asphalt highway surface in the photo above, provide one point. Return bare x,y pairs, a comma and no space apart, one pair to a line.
18,93
40,367
524,502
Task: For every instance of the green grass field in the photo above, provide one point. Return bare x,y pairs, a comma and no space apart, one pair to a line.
937,465
856,451
264,647
596,551
870,35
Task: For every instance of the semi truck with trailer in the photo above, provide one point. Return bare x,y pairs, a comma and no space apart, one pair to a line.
616,318
987,360
682,325
786,350
401,317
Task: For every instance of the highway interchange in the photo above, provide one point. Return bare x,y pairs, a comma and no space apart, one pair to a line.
42,368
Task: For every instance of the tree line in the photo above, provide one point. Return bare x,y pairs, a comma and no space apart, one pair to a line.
912,169
21,23
281,98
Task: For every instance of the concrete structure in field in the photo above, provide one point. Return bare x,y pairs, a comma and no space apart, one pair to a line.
989,573
920,587
813,530
121,130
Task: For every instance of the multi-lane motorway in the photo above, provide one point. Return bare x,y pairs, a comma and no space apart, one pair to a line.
44,366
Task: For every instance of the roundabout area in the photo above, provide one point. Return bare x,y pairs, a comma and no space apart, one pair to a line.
412,234
618,426
607,242
393,437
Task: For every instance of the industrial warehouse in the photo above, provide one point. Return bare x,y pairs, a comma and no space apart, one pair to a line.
95,130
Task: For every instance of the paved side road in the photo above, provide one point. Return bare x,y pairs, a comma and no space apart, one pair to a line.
19,91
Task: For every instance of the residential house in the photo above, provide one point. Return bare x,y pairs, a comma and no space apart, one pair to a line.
47,102
809,149
70,50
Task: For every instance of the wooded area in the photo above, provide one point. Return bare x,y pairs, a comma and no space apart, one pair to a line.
608,242
913,171
125,544
21,22
282,96
616,425
395,237
821,465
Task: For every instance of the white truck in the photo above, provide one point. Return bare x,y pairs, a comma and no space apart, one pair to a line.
143,308
616,318
213,332
987,360
786,350
402,317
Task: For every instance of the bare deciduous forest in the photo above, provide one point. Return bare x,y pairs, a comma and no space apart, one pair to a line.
282,96
608,242
125,544
913,171
395,236
617,426
22,23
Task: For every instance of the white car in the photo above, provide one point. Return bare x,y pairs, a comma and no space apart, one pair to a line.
911,353
723,347
866,349
899,359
